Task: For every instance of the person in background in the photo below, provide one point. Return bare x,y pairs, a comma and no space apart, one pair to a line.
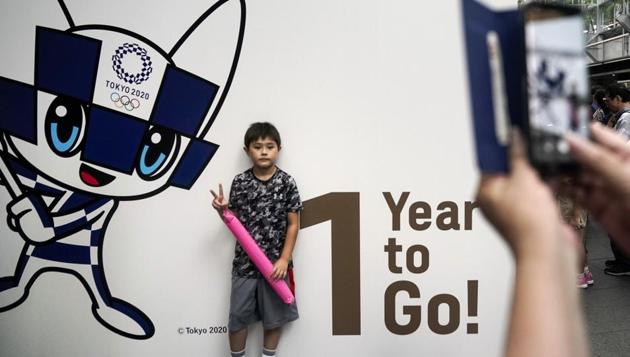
618,102
594,104
575,216
602,113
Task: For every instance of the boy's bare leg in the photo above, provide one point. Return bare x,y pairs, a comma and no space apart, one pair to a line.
238,339
271,339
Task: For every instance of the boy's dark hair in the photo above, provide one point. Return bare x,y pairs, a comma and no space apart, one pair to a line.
614,90
260,131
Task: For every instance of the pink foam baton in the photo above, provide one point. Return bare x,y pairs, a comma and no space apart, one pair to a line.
257,256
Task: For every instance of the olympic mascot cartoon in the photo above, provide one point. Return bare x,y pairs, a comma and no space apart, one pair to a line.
110,117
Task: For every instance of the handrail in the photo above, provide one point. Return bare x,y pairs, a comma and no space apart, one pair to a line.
608,40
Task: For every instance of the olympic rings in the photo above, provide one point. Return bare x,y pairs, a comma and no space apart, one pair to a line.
124,101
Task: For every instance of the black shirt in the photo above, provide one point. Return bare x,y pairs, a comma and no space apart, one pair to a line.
262,207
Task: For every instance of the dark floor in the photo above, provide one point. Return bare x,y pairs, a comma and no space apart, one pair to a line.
607,302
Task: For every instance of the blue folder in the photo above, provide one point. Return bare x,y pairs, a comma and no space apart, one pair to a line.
492,155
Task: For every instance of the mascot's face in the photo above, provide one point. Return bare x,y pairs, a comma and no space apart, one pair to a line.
111,115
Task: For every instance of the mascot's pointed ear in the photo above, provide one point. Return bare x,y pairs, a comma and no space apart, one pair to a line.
211,47
66,13
19,20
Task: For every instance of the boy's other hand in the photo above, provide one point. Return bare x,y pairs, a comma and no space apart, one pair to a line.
280,268
219,202
604,185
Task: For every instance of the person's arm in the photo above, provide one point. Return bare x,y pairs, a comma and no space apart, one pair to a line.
281,265
546,318
623,126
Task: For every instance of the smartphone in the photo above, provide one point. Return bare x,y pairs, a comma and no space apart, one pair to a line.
556,83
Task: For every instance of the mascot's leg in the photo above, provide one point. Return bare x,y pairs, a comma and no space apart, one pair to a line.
116,314
13,289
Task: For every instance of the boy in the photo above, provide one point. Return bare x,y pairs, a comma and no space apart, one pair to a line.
267,202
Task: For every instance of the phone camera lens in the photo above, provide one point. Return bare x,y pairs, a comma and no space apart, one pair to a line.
563,146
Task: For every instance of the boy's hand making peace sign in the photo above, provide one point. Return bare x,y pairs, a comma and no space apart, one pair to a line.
219,202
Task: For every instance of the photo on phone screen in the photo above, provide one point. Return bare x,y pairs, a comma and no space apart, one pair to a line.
557,83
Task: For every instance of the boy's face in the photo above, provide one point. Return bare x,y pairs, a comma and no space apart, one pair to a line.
263,152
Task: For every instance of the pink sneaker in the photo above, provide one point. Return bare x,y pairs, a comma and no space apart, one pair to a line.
589,277
581,281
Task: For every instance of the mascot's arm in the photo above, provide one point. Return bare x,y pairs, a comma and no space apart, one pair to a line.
30,217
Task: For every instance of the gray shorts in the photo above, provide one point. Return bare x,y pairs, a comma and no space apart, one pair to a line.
254,300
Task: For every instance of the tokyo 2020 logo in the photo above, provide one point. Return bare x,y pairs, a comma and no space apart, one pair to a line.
141,53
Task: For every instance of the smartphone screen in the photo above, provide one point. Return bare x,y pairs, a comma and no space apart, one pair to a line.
557,83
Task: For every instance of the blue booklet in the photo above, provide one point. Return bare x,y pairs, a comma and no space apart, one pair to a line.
496,64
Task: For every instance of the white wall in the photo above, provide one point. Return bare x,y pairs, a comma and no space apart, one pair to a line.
370,97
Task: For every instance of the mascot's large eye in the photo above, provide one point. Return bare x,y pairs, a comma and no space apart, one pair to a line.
65,123
159,147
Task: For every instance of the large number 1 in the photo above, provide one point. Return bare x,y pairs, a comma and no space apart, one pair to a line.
342,209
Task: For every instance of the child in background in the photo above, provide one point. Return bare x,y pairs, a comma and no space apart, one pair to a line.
575,216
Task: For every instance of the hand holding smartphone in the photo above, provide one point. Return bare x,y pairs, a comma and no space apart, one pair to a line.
556,83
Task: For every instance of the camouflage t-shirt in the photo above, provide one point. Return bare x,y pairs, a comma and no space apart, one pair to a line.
262,207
